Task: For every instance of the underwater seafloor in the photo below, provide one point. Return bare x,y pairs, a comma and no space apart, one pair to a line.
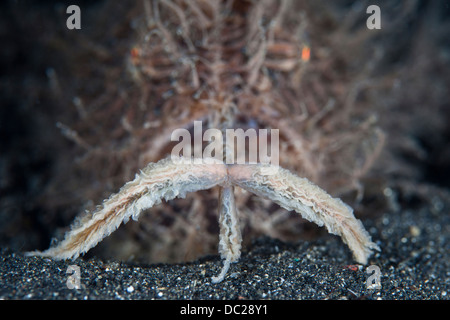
413,264
405,208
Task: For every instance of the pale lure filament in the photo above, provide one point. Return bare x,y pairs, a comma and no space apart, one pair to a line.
172,178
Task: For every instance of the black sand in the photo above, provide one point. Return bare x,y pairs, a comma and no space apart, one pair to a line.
414,264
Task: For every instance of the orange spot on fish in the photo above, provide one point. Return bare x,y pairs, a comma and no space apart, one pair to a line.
306,53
